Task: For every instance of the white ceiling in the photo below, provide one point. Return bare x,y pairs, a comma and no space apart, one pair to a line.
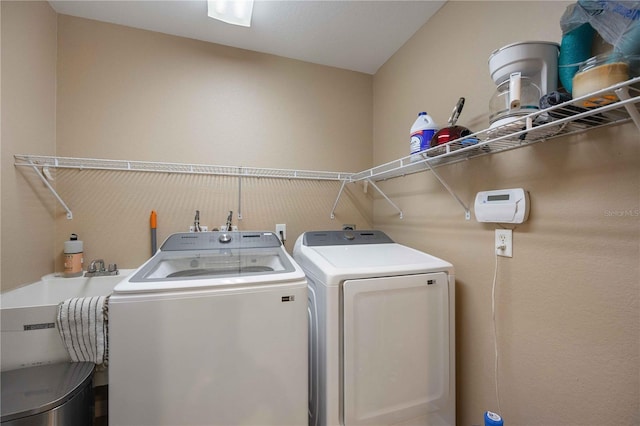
356,35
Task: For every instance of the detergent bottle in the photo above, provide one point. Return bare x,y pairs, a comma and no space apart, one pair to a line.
422,131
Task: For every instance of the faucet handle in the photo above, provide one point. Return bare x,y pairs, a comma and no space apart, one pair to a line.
113,267
94,268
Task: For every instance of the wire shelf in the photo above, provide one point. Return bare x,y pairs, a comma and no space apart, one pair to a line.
159,167
561,120
617,104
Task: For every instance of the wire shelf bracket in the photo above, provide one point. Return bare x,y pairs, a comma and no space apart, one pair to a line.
623,95
467,212
335,204
386,198
44,180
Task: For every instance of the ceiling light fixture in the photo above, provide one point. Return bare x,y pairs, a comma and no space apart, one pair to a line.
236,12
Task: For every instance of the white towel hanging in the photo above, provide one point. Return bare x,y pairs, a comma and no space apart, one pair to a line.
83,326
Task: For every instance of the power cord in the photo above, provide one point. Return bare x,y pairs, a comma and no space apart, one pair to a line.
495,334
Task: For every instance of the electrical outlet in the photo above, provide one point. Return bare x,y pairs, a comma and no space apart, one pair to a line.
504,242
281,231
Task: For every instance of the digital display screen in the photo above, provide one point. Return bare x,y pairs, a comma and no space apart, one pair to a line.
501,197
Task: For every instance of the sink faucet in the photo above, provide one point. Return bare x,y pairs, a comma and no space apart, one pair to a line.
97,269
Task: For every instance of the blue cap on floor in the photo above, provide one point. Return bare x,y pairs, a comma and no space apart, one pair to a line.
492,419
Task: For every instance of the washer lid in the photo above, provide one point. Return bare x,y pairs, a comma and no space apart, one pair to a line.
34,390
211,264
213,260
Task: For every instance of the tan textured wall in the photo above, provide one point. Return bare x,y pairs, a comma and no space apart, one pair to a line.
131,94
28,126
568,314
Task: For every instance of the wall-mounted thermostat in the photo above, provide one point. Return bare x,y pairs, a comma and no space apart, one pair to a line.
502,206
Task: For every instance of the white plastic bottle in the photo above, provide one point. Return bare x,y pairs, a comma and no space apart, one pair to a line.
422,131
73,257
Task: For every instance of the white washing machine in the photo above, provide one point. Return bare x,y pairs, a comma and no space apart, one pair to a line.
382,345
212,330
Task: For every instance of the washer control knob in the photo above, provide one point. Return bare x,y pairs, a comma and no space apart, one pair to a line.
348,235
224,238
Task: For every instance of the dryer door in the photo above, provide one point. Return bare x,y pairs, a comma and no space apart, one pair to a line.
396,348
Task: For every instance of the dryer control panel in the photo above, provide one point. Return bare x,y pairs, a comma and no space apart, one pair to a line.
348,237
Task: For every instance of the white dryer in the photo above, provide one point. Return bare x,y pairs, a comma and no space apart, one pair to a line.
212,330
382,331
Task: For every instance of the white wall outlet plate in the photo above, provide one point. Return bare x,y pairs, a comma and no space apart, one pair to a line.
504,242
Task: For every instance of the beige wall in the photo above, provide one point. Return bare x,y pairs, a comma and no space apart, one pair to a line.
568,317
132,94
28,126
125,93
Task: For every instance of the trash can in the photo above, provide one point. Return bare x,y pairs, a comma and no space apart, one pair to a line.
53,394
